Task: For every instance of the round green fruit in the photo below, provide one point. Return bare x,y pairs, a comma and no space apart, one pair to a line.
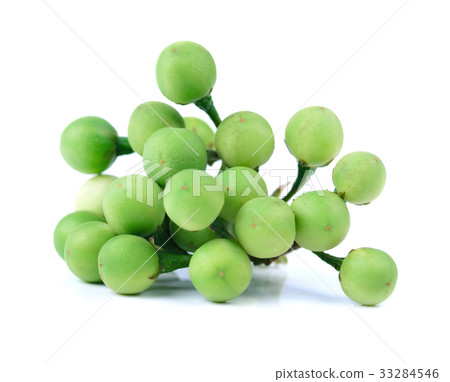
170,150
192,199
240,185
368,276
82,248
220,270
68,223
265,227
202,129
244,139
185,72
128,264
191,240
148,118
133,205
89,145
90,195
314,136
359,177
322,220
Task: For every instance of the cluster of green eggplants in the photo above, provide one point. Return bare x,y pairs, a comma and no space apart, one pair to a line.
126,231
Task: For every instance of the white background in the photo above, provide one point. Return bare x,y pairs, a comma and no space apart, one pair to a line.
388,86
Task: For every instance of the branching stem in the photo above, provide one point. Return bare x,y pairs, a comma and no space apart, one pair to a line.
123,146
303,174
207,105
334,261
169,262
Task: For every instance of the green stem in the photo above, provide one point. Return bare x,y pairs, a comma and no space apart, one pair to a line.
218,227
334,261
342,196
169,262
278,191
123,146
303,174
171,257
212,156
162,240
207,105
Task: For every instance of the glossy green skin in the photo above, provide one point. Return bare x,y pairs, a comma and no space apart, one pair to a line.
322,220
185,72
67,224
82,248
220,270
89,145
90,195
202,129
265,227
133,205
244,139
239,189
128,264
190,203
359,177
368,276
191,240
314,136
148,118
173,150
